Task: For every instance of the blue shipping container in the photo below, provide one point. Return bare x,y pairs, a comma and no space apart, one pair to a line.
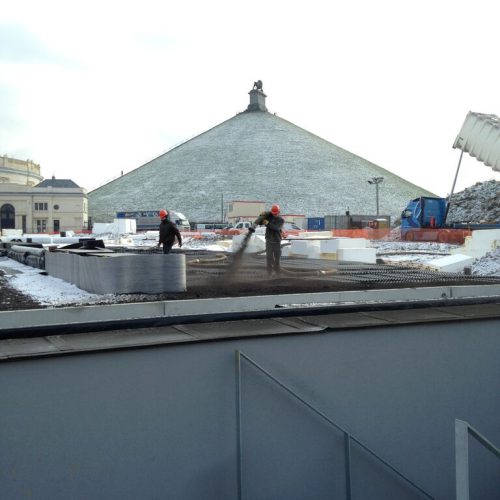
315,223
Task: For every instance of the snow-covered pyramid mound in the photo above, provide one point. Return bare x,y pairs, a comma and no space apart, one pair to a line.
254,155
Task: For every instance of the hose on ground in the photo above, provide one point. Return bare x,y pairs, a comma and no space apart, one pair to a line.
309,272
302,271
220,257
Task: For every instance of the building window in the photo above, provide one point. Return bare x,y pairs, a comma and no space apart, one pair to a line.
41,205
41,225
7,217
56,226
56,207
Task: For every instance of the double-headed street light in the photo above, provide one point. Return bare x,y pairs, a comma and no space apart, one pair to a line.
376,181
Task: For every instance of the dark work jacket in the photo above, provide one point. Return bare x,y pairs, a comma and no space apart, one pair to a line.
168,232
273,228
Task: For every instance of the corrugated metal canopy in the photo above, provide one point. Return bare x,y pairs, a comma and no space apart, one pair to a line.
480,137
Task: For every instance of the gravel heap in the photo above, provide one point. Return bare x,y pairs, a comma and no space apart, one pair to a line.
478,203
489,265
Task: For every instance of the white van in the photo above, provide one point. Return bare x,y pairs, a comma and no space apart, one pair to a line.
243,225
179,220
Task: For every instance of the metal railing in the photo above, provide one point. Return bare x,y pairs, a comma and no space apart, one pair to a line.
348,437
462,432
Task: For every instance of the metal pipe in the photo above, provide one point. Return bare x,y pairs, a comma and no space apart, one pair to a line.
238,425
27,250
334,424
461,460
452,188
347,452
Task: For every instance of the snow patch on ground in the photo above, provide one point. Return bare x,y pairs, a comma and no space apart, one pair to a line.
46,289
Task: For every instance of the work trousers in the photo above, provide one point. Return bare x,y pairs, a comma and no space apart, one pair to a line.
167,247
273,255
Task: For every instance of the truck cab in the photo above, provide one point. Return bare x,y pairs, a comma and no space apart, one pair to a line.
424,212
423,219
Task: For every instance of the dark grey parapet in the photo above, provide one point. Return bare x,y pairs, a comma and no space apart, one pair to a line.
161,417
119,273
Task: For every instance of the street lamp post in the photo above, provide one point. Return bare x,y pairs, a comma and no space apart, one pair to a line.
376,181
222,208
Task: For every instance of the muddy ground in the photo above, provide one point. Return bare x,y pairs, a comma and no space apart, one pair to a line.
219,278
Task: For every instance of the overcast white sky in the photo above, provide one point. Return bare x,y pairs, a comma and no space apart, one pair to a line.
90,89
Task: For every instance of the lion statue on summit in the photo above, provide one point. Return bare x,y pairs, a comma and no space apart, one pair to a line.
257,85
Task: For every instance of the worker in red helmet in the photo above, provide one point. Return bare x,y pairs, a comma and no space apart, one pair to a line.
168,232
274,226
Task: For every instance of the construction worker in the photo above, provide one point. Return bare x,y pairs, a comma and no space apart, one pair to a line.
168,232
274,225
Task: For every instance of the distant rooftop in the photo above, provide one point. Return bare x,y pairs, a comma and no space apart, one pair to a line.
58,183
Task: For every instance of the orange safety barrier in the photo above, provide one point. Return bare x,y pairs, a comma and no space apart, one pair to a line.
368,233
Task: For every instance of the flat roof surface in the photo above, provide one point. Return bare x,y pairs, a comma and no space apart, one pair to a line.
126,338
210,275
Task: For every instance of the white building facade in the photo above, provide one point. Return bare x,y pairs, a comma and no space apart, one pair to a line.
34,205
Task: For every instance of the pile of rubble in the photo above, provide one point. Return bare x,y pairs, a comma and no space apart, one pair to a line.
478,203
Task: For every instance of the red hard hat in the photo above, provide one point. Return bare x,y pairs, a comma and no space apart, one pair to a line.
275,209
163,213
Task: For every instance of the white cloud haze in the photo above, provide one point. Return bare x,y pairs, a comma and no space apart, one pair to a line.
92,89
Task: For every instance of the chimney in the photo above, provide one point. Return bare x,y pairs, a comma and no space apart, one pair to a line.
257,98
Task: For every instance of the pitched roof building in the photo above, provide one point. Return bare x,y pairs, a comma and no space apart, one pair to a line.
254,155
33,205
58,183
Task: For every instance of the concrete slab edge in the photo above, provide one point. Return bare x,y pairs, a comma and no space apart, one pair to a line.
41,318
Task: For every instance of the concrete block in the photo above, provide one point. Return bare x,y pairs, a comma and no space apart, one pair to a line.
352,242
479,243
117,227
328,246
328,255
366,255
315,234
314,253
328,249
14,233
125,226
451,263
333,244
304,248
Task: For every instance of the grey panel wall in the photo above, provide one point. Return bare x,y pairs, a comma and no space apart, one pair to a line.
161,422
119,273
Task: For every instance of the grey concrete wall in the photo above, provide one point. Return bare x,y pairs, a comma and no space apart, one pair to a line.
120,273
161,422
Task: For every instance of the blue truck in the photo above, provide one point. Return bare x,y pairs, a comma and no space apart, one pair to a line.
424,219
